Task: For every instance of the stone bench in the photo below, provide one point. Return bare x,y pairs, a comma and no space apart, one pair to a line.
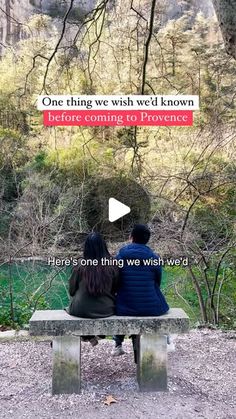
66,331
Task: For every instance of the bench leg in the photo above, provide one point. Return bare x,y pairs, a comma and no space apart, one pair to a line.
66,365
152,362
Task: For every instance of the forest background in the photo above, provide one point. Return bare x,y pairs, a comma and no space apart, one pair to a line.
46,173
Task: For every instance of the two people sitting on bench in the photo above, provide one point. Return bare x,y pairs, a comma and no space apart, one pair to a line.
101,291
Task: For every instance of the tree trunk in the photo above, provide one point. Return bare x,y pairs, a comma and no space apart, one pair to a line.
8,19
226,14
199,295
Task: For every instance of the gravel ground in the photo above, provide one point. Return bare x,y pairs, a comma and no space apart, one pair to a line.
202,381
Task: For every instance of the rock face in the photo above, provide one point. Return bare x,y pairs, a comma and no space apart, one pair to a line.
53,7
14,14
58,8
174,9
226,13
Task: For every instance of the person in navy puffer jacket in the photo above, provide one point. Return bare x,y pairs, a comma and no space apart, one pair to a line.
139,292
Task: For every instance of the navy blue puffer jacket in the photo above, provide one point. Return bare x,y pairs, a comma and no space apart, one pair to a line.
139,293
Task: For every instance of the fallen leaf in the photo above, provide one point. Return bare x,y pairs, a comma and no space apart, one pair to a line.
110,399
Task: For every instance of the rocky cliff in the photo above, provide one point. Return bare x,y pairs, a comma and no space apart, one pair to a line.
14,14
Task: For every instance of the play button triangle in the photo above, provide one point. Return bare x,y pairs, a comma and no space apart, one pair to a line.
117,210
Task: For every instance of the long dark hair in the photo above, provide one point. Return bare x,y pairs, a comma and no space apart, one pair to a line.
98,278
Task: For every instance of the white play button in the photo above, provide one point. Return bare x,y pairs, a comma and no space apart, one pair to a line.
117,210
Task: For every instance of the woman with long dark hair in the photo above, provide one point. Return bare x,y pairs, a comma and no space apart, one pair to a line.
93,286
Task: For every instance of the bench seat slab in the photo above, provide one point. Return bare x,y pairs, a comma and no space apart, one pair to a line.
66,365
152,362
59,322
